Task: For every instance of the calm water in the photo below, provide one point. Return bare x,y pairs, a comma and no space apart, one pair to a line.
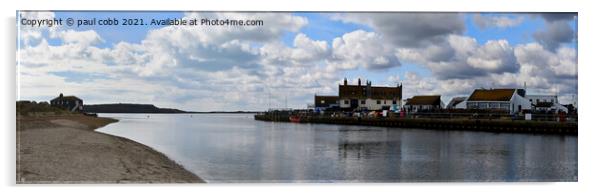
236,148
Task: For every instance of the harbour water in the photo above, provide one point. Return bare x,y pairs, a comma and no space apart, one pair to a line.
236,148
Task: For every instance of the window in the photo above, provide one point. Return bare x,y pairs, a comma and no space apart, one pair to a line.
505,106
472,105
322,101
363,101
385,102
346,101
377,101
394,101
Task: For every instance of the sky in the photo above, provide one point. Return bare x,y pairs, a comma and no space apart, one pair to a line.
293,56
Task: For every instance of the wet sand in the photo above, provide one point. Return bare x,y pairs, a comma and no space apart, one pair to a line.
66,149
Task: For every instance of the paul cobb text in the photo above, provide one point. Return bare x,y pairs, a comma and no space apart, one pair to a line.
138,22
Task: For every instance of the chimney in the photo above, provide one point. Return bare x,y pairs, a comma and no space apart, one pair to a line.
345,81
400,90
359,82
61,95
368,88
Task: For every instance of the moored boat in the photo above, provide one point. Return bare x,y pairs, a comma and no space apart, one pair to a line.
294,119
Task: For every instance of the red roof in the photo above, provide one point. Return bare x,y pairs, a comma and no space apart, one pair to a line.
425,100
363,91
491,95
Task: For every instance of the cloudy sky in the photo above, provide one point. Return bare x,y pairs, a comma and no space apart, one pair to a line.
294,56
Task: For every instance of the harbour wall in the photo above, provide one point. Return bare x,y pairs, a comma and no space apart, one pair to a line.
492,125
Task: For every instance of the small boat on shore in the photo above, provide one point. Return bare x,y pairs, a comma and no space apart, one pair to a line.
90,114
294,119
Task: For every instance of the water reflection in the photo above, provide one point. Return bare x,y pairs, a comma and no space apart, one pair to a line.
235,148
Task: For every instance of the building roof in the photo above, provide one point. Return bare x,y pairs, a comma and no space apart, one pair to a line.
491,95
455,101
325,101
385,92
326,98
425,100
364,91
73,98
352,91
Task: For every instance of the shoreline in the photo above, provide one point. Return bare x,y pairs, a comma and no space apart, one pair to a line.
67,149
484,125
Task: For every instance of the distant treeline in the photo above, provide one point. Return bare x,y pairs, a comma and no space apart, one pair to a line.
128,108
227,112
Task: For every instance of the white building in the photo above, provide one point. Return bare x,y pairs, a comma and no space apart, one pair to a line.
368,97
542,98
457,103
546,103
511,100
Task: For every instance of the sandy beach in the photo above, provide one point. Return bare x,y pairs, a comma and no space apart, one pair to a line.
66,149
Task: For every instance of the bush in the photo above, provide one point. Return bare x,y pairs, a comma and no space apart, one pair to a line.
31,107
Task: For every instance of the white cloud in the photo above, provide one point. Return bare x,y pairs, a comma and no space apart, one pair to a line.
415,84
88,37
494,56
483,21
308,50
215,65
556,16
233,68
556,32
409,29
462,64
67,57
33,34
562,63
216,47
304,52
361,48
36,15
463,57
274,26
